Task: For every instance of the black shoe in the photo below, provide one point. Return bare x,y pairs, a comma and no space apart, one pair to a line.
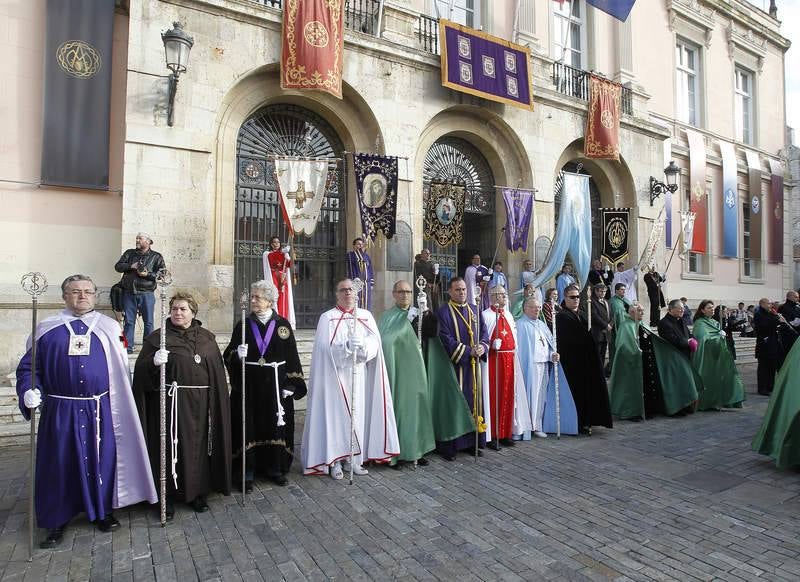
108,524
248,486
423,462
494,445
279,480
398,466
54,537
507,442
199,504
448,457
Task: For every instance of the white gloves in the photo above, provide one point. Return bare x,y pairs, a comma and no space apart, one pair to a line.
241,351
795,322
355,343
555,357
487,278
436,268
286,393
286,249
496,344
491,271
422,302
160,357
32,398
721,333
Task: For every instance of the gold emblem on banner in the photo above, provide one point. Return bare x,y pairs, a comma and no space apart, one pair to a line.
607,119
79,59
698,191
283,332
316,34
777,210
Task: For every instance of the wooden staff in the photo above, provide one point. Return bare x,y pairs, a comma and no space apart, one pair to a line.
555,372
34,284
243,304
357,286
163,280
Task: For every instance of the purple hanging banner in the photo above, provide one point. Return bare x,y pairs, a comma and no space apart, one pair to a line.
519,211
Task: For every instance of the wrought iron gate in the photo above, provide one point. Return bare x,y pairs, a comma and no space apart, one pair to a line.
457,161
293,131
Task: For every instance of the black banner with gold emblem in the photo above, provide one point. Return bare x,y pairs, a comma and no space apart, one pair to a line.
615,234
77,93
444,213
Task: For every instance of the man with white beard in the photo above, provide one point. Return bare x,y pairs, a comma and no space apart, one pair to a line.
346,337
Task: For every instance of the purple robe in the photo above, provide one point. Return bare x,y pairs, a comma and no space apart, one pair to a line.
73,473
474,275
359,265
456,341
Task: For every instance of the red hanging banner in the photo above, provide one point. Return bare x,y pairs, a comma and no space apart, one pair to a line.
602,124
697,190
313,45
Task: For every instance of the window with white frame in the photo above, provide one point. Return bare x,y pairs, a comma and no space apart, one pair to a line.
466,12
751,268
569,33
743,87
687,83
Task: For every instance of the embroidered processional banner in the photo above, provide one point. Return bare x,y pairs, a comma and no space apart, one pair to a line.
312,53
776,212
376,188
444,213
484,65
730,200
301,187
648,257
519,211
699,196
754,182
615,234
602,123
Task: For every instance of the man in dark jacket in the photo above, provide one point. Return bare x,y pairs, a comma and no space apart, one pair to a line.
673,329
770,350
139,267
653,282
791,313
601,320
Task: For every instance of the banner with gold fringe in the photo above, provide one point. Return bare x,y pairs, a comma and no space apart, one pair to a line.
444,213
602,123
313,45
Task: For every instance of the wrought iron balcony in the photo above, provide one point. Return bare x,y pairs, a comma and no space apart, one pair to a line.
428,34
359,15
575,83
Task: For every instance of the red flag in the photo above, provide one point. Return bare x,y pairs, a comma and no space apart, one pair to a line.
601,140
697,191
313,43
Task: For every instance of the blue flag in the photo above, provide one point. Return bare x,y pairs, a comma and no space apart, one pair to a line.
619,9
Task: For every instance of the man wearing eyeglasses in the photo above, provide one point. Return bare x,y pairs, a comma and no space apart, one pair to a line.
139,267
91,455
348,375
581,364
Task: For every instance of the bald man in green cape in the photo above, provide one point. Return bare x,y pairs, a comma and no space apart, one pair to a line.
428,404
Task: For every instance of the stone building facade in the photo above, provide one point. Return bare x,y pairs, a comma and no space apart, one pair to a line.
203,188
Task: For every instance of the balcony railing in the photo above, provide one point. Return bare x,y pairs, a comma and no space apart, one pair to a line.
428,34
575,83
359,15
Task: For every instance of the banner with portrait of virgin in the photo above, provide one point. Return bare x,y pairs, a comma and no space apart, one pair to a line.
376,191
444,213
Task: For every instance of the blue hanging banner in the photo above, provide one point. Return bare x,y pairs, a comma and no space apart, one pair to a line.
730,201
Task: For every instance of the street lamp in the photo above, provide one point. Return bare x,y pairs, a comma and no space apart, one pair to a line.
657,188
177,45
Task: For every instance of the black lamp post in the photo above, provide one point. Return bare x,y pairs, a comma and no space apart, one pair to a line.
657,187
177,45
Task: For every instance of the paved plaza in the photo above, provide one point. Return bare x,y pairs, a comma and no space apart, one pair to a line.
666,499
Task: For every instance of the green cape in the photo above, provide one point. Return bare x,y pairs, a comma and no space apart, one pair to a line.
779,436
409,384
680,384
452,417
626,392
722,386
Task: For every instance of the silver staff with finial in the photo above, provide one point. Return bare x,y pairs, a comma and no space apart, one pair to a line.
34,284
244,301
358,284
421,284
477,396
555,370
163,280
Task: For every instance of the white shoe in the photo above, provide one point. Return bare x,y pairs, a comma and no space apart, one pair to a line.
357,469
540,434
336,471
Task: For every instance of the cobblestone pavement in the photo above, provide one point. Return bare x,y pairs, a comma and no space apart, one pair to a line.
665,499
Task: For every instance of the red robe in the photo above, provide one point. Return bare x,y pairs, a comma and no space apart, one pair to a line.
501,373
278,265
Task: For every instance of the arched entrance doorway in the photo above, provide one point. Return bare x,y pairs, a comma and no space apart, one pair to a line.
288,130
456,161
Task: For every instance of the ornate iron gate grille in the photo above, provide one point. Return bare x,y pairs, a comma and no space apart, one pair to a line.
457,161
292,131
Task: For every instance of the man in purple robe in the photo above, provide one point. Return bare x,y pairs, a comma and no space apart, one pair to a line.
465,340
359,266
91,455
478,276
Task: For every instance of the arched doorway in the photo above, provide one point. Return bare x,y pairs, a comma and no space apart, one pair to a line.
456,161
289,130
